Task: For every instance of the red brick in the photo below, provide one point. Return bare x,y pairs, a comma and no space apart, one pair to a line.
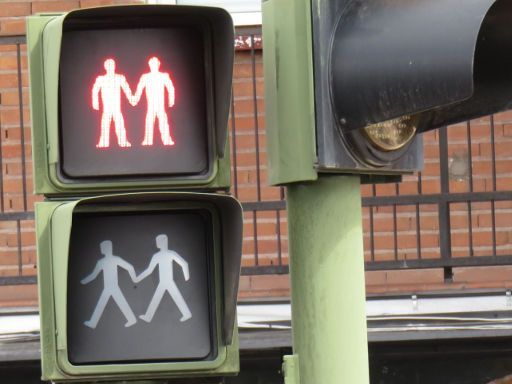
424,276
12,26
408,187
15,9
503,117
11,116
375,278
245,88
487,274
429,186
270,282
8,62
13,134
54,6
95,3
11,151
244,123
246,107
18,296
8,80
11,98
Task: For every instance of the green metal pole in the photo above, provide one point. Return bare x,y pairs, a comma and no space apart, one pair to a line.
327,281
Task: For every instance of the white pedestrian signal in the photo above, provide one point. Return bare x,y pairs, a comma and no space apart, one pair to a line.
109,265
164,261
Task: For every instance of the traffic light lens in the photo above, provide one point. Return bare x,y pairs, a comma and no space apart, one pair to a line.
392,134
141,279
135,103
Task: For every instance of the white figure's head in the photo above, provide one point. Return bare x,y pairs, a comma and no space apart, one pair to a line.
110,66
154,64
106,247
162,242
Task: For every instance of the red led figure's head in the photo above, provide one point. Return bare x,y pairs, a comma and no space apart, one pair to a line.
110,66
154,64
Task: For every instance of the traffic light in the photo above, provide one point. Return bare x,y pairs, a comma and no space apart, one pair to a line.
131,98
138,253
137,286
351,83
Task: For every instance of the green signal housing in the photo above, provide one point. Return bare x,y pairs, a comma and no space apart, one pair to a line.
66,230
194,47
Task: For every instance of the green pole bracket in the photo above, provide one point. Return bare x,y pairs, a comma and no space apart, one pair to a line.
291,369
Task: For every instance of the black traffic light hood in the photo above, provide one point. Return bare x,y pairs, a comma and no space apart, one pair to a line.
442,60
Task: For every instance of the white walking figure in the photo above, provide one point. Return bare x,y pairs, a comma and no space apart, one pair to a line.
156,84
164,261
108,265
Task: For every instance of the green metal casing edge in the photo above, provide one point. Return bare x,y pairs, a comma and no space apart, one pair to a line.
53,228
44,34
289,91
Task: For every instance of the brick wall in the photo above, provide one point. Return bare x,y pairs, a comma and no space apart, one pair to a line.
473,147
265,228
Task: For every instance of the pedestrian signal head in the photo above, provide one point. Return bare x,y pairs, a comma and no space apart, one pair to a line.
131,105
166,279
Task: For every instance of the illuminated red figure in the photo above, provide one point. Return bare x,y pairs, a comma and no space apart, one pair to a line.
156,83
109,86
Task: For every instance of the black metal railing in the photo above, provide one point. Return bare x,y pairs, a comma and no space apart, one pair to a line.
17,256
431,215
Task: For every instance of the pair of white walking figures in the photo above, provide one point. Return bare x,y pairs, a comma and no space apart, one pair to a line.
163,259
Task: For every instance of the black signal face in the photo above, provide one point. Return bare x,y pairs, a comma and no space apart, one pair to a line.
140,288
134,103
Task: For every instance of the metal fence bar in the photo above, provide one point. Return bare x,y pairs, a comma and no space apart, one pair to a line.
256,124
2,203
279,239
18,280
493,204
437,198
395,225
255,236
471,188
13,216
444,206
13,40
418,220
19,246
480,261
233,142
22,129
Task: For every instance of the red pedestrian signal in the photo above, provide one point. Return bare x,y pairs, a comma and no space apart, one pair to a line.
131,106
157,87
